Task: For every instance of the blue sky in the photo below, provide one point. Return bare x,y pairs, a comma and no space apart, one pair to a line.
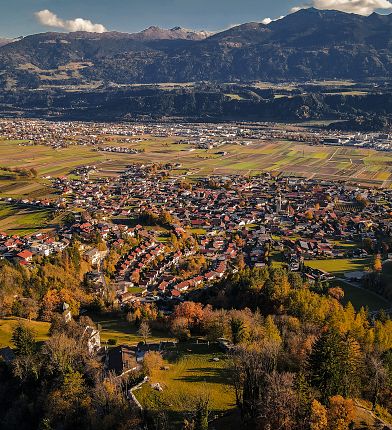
19,17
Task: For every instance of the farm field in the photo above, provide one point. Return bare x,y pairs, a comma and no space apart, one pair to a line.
192,373
363,166
22,221
366,167
7,325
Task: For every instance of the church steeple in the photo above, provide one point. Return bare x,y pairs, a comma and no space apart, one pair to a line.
278,203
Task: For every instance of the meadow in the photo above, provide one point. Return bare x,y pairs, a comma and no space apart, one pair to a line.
352,293
360,297
22,220
7,325
123,332
338,266
194,371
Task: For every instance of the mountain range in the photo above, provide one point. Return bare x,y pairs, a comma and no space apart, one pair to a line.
308,44
254,71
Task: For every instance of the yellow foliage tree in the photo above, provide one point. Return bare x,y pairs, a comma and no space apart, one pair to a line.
340,413
318,416
152,362
377,264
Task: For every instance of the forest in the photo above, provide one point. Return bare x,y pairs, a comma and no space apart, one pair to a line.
296,357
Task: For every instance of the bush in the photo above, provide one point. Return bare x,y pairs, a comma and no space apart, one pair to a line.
153,361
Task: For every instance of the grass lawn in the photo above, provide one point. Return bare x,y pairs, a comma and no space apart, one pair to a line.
360,297
357,296
340,265
198,231
192,373
345,245
135,290
7,325
124,332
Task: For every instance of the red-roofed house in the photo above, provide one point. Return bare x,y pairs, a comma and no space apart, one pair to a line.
25,255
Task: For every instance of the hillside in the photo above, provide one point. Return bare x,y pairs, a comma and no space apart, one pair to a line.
309,44
4,41
179,72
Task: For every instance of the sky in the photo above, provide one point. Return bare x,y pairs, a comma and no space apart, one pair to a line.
23,17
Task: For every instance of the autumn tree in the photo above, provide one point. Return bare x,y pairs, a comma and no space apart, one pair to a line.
69,403
250,368
318,416
278,286
135,277
152,362
377,263
215,323
191,311
26,366
278,405
340,413
377,378
337,293
180,329
238,330
272,333
202,409
240,261
61,354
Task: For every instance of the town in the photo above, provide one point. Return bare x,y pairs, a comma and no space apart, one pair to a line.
197,135
208,227
158,268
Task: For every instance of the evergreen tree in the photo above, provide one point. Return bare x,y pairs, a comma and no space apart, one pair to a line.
238,330
351,360
24,340
325,364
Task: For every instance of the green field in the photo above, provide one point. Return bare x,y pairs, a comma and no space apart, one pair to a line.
7,325
22,220
360,297
355,294
358,165
340,265
123,331
192,373
111,328
387,272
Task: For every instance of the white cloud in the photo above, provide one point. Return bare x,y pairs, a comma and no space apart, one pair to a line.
50,19
361,7
267,21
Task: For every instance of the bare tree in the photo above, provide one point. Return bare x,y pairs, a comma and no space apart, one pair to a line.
378,378
249,369
278,405
144,331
